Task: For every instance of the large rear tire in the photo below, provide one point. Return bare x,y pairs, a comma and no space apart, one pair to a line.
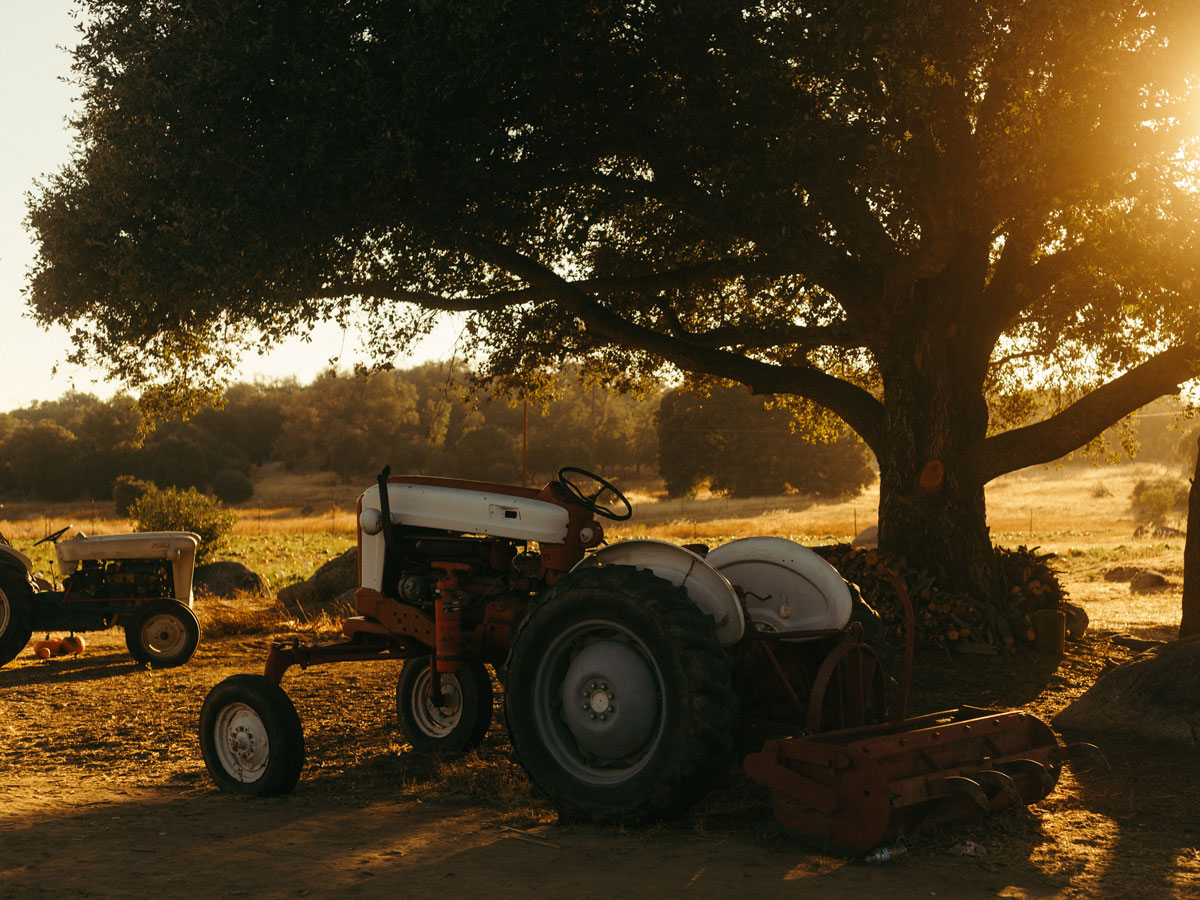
250,737
165,634
16,613
460,722
618,696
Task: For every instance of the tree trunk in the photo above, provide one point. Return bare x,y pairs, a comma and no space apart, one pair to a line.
933,514
931,500
1189,624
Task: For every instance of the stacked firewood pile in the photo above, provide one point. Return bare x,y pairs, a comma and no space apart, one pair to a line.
958,621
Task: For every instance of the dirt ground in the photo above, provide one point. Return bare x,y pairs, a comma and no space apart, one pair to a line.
103,794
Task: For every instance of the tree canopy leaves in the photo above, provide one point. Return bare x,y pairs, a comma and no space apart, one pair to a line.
908,213
758,193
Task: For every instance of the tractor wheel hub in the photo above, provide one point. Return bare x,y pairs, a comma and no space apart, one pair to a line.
618,705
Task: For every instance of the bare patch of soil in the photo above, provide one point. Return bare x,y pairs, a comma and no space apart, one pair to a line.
103,794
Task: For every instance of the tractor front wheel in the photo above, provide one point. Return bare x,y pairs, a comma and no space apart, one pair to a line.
618,696
458,721
164,634
16,611
250,737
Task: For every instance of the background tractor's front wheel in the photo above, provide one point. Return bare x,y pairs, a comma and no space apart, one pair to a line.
164,634
250,737
618,696
456,724
16,612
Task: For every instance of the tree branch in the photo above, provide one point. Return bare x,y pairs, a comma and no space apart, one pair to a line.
682,278
1019,281
837,334
1083,420
857,407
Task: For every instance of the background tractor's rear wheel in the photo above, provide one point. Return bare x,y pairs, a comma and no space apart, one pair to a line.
618,696
459,722
250,737
164,634
16,612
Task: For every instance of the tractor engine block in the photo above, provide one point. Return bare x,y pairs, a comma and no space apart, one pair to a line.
120,579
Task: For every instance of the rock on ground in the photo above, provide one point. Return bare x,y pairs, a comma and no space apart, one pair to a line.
1077,620
226,578
1120,573
330,589
1153,696
1147,580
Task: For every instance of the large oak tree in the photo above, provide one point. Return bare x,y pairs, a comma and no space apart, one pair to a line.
921,216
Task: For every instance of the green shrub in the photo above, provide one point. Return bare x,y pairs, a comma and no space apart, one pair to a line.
232,486
173,509
127,490
1158,500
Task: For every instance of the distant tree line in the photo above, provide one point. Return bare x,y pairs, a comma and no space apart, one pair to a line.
422,420
730,440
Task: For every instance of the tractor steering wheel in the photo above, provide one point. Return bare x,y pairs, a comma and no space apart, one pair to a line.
589,500
55,536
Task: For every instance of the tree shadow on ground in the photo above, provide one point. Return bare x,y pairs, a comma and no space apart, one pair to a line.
203,844
1145,810
1151,632
70,669
943,682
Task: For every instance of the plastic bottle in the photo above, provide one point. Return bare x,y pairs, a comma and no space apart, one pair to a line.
884,854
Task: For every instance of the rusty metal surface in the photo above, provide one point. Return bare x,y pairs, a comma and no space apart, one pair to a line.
835,795
848,690
285,654
854,788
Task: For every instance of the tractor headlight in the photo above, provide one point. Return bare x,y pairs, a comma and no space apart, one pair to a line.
370,521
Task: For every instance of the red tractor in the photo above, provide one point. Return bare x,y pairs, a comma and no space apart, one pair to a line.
631,670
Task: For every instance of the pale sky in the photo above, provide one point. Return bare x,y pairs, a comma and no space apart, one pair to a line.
34,106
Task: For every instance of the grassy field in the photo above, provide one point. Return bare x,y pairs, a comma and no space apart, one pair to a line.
295,523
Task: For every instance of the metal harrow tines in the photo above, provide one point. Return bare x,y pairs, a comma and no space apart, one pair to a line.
856,788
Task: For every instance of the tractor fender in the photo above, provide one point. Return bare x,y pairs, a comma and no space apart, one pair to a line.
787,587
705,586
14,558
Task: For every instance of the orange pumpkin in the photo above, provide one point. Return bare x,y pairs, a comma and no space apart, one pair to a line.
47,648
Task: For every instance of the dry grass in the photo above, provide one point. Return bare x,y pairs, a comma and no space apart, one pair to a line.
1068,507
255,614
277,488
1058,509
1079,513
285,520
297,522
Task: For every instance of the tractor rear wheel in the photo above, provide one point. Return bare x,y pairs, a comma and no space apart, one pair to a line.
455,725
163,635
618,696
250,737
16,612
